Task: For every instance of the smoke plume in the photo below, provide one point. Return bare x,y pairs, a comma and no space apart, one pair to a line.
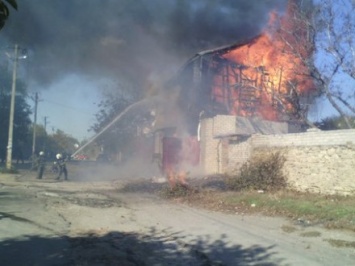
127,39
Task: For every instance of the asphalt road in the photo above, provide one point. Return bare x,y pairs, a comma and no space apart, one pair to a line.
99,222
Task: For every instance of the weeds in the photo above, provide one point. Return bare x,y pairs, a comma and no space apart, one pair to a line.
311,234
265,173
260,173
334,212
288,229
177,192
341,243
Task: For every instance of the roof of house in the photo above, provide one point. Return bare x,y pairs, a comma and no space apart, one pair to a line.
217,51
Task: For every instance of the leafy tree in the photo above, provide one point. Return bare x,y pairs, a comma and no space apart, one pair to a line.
4,11
290,36
329,51
123,134
41,138
22,121
63,142
334,68
120,134
51,144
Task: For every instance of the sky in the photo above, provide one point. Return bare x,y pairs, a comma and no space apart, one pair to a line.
69,105
73,45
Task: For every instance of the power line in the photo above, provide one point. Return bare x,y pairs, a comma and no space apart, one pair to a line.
67,106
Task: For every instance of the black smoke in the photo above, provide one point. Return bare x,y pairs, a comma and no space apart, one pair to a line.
127,39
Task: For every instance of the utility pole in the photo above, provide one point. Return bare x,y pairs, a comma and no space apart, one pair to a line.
46,122
34,125
12,110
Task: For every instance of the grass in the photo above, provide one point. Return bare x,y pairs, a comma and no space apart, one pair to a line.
333,212
336,212
264,173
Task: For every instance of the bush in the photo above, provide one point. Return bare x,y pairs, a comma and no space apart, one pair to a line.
260,173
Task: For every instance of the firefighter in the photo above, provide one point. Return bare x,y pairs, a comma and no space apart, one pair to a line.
41,164
61,162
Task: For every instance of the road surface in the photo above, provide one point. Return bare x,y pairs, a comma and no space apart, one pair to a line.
101,223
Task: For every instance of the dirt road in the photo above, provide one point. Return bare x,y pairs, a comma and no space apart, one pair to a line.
99,223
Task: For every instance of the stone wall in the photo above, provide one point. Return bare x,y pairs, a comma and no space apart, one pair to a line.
316,161
239,152
311,138
321,169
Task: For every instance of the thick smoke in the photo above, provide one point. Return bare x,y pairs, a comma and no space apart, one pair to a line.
127,39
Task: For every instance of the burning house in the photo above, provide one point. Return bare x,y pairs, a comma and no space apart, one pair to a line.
237,80
259,86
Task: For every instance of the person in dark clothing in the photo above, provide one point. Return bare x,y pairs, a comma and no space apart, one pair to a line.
61,162
41,164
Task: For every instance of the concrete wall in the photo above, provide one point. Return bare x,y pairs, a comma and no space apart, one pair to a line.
316,161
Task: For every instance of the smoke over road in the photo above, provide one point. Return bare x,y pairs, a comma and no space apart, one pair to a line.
130,40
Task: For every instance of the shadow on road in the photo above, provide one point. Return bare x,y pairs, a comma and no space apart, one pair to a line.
116,248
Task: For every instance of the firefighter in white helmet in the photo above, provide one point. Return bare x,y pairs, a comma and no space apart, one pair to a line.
41,164
61,162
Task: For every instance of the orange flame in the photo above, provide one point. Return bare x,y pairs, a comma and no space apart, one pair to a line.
267,70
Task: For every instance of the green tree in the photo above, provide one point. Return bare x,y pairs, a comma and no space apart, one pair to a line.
42,139
63,142
51,144
22,122
123,135
119,135
4,11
